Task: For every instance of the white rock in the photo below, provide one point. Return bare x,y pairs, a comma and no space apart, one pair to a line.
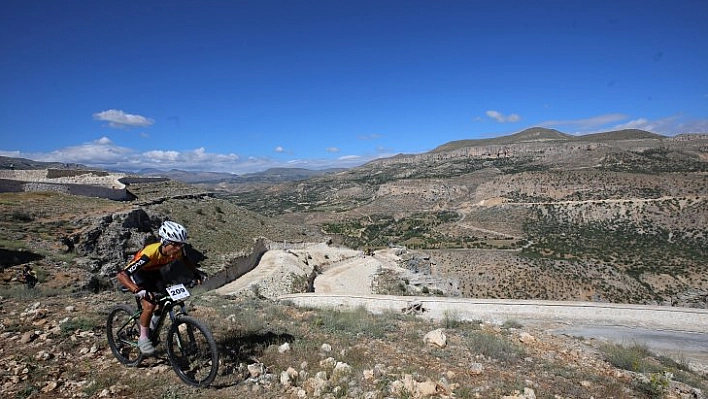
341,369
436,338
51,385
526,338
284,348
426,388
328,363
255,369
288,376
476,368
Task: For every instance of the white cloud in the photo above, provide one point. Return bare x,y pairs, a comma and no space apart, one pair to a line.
162,156
373,136
119,119
668,126
99,152
585,124
105,154
501,118
197,159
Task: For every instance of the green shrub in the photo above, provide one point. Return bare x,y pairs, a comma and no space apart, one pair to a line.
653,386
79,323
512,324
357,322
451,319
21,216
630,358
495,347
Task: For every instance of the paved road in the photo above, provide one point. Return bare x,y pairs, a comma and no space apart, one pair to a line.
676,344
665,330
347,283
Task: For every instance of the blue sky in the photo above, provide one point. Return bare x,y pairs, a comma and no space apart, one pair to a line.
242,86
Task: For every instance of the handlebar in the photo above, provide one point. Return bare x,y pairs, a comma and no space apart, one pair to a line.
189,284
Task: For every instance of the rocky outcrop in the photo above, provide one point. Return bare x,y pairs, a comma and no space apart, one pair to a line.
111,239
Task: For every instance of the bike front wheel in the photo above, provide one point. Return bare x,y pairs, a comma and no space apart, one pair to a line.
123,331
192,351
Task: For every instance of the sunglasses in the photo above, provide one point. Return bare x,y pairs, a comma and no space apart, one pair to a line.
176,244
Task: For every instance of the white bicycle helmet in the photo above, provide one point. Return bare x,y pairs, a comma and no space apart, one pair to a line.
173,232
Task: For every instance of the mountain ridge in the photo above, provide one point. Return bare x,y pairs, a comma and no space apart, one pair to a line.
282,174
540,134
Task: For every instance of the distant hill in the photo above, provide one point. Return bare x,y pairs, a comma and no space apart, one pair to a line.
273,175
187,176
280,175
540,134
288,174
534,134
626,134
28,164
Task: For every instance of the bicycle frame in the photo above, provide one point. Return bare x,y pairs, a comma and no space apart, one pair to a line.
166,306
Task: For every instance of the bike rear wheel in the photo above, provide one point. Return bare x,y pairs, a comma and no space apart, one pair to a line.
123,331
192,351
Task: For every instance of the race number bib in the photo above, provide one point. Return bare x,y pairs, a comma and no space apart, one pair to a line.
177,292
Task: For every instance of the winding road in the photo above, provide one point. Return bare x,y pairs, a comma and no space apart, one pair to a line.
348,283
673,331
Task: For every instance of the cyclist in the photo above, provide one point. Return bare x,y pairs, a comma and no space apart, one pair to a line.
143,277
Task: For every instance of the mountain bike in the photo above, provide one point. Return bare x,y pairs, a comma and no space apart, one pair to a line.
190,345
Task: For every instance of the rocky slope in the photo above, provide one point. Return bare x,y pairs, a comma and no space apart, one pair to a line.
53,346
614,217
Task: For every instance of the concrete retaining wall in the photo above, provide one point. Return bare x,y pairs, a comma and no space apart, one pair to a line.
74,182
238,267
120,194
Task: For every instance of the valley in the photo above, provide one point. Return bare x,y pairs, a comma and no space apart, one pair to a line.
612,219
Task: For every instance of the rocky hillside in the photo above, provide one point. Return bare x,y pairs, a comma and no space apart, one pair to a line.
616,216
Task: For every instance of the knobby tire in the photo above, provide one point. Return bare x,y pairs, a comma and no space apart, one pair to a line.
123,331
192,351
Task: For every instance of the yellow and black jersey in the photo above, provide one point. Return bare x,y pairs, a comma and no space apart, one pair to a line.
150,259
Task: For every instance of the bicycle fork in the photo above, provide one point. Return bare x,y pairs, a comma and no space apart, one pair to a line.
190,333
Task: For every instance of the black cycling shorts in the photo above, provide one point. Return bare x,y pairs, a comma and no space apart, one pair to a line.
149,280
